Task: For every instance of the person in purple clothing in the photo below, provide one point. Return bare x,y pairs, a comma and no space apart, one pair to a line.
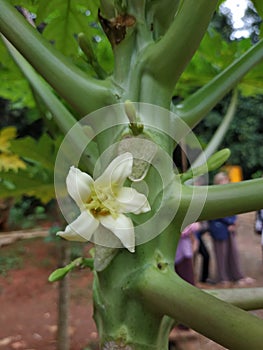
183,263
223,232
185,251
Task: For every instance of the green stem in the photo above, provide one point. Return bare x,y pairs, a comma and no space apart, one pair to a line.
165,293
223,127
62,116
122,66
85,94
189,26
129,71
220,132
224,200
138,8
244,298
159,18
196,107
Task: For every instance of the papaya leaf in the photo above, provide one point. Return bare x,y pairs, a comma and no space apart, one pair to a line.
11,162
30,5
6,135
212,57
22,183
259,7
14,86
42,151
64,21
38,178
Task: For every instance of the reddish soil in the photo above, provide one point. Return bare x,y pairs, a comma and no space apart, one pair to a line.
28,311
28,302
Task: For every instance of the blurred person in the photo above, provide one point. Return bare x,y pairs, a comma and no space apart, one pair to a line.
223,232
183,263
203,251
259,226
202,248
187,245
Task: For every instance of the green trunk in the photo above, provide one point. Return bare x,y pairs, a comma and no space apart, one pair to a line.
125,322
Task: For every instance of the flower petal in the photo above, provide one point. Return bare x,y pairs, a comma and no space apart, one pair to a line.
117,171
81,229
122,227
78,185
132,201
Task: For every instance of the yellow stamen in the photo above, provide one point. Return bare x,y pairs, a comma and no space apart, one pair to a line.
102,202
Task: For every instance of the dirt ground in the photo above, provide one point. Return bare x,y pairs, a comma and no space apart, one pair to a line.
28,302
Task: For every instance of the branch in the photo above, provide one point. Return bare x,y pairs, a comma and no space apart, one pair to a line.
220,132
166,293
196,106
161,15
167,59
64,119
224,200
85,94
244,298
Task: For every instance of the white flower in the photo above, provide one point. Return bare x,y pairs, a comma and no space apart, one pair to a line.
104,202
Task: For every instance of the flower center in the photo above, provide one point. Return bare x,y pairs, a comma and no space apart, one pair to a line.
102,202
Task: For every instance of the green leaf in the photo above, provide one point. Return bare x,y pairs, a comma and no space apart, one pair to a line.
42,151
259,7
62,31
212,57
30,5
23,183
65,19
38,179
14,86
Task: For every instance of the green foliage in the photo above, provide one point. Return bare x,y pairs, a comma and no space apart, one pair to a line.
21,215
14,86
41,152
65,20
244,136
9,160
30,5
37,180
259,7
214,55
22,182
